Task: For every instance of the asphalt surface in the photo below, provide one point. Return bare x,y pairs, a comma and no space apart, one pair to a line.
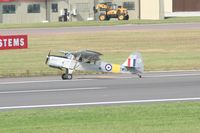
16,93
34,92
129,27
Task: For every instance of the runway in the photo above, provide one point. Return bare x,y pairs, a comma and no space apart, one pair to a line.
84,29
105,89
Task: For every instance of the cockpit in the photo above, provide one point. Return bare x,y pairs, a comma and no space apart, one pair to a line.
69,56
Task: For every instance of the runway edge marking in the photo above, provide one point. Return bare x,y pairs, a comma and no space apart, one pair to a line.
42,81
52,90
100,103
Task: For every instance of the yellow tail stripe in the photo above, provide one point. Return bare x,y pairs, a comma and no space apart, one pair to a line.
115,68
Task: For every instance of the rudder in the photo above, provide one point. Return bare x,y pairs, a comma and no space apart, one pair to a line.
135,61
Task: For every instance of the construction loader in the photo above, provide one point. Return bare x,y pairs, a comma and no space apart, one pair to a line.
109,10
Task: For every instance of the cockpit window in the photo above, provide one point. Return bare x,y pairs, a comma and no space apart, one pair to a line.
69,56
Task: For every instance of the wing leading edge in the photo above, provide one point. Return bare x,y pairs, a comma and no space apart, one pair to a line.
87,55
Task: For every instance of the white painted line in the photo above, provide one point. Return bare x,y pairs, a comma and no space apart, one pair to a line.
156,76
171,75
172,71
100,103
52,90
41,81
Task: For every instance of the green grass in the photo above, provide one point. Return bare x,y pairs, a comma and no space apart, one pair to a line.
145,118
161,50
98,23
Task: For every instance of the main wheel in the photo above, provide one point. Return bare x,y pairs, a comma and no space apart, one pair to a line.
66,76
102,17
121,17
69,76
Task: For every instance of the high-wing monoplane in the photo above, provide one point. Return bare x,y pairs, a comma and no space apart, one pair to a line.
87,60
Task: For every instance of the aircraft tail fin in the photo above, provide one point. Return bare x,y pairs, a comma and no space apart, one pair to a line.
134,63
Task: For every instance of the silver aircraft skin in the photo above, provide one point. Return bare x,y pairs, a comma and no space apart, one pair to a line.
87,60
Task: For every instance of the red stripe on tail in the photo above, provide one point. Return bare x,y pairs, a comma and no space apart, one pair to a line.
129,62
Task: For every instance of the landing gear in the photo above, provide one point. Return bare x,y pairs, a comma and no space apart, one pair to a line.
140,76
66,76
69,76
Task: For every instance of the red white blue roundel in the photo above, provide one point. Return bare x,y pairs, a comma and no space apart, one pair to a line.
108,67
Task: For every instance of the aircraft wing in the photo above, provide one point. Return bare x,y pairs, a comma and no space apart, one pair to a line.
87,55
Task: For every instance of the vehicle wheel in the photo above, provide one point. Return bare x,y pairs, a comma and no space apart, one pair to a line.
102,17
121,17
127,17
140,76
108,18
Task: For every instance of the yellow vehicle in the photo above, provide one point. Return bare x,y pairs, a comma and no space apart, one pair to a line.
109,10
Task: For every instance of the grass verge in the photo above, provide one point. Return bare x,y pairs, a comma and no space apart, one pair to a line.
99,23
161,50
147,118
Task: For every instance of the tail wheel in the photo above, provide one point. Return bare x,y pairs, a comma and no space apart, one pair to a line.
66,76
121,17
102,17
140,76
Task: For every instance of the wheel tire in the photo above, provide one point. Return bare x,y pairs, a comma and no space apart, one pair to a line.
121,17
107,18
64,76
102,17
127,17
69,76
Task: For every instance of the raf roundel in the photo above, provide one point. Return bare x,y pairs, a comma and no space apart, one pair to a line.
108,67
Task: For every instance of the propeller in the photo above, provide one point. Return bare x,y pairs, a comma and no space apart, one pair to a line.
48,57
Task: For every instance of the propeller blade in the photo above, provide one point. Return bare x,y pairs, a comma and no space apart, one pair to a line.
49,53
48,57
46,60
